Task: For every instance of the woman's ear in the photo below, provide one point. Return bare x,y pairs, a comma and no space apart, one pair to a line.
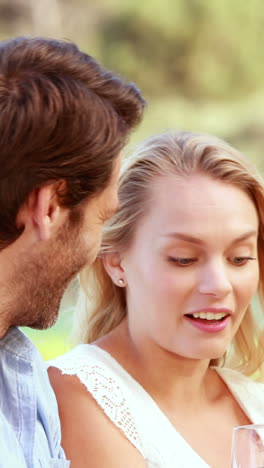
42,211
112,264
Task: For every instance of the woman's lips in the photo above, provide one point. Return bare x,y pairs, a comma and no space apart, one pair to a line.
209,320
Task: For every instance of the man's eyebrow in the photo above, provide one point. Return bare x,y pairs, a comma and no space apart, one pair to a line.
196,240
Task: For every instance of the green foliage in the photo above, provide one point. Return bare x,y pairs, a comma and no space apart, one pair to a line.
195,48
198,49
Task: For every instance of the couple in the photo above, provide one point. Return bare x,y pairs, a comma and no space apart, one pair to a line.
166,316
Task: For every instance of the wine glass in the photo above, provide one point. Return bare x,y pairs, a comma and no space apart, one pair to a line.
248,446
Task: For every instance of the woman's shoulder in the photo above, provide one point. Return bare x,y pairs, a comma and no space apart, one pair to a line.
68,371
91,363
99,373
80,355
236,378
247,390
103,381
94,367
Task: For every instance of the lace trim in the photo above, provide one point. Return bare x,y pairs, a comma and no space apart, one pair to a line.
102,384
107,393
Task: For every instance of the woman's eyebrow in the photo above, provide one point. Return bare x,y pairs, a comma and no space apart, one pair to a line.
196,240
184,237
245,236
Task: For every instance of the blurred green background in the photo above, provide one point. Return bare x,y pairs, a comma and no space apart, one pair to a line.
198,62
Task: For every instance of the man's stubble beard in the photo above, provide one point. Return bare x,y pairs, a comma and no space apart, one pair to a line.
42,277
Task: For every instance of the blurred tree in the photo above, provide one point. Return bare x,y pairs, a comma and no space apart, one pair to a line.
195,48
46,17
13,14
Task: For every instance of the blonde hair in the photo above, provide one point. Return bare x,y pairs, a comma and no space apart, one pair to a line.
182,154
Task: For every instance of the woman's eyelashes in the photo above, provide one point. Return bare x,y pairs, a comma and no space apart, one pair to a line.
188,261
182,261
240,261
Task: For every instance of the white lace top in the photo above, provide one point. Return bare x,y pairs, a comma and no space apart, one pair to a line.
136,414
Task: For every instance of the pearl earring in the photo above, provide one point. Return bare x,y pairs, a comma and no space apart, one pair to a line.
121,282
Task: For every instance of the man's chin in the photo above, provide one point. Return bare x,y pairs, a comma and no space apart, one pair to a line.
44,322
43,325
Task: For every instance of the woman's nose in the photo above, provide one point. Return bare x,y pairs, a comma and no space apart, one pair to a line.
214,279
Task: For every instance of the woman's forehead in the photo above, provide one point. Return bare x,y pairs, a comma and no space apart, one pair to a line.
198,200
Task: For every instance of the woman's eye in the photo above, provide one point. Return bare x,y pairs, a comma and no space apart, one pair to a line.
182,261
240,261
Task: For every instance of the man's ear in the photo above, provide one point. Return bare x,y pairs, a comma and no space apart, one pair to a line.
42,211
112,264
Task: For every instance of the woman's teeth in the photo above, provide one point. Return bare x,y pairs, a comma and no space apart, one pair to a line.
209,315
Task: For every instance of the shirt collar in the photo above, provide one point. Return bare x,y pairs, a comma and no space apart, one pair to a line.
16,342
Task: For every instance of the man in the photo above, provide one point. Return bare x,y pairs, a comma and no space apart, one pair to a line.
63,122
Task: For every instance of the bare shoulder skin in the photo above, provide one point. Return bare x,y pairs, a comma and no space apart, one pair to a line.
89,438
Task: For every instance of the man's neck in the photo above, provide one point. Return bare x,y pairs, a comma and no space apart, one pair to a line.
7,289
5,310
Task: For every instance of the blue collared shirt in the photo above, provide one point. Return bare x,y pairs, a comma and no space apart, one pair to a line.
29,423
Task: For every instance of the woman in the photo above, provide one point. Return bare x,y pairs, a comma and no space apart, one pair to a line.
173,335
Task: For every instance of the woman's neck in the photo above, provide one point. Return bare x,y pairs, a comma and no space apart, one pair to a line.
167,377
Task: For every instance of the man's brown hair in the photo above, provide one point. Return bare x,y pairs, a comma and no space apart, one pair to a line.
62,116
